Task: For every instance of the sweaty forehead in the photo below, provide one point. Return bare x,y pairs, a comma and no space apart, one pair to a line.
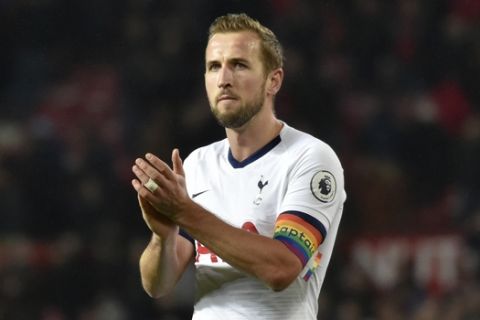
235,44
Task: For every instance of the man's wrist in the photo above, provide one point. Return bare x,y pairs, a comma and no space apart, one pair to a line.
186,214
158,240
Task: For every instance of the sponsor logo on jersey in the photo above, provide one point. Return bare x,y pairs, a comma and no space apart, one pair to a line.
323,186
205,255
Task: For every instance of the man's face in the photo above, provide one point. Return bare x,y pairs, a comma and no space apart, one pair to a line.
234,77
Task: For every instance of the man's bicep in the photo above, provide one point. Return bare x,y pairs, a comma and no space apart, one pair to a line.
316,185
311,202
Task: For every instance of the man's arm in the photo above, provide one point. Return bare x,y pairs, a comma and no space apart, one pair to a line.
163,262
167,255
264,258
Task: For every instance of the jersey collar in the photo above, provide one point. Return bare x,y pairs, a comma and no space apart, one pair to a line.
257,155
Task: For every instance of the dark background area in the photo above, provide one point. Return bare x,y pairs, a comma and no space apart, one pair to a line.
88,86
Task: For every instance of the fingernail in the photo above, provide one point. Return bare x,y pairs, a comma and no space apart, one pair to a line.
148,156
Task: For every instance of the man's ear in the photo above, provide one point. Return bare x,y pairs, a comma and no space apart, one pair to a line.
274,81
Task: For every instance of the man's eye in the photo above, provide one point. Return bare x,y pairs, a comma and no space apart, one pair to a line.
240,65
213,67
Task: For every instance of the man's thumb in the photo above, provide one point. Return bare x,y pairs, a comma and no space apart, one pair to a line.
177,162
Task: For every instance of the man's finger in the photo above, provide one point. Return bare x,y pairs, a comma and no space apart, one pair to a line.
161,166
151,172
177,163
144,204
144,192
142,176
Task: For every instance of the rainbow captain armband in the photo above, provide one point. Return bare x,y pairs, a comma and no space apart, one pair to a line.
302,234
312,264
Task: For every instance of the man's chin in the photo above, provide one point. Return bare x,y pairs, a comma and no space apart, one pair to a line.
225,111
226,105
233,117
229,122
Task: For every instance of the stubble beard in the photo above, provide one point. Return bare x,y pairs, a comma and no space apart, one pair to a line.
240,117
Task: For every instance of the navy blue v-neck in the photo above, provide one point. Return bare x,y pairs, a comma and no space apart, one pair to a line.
257,155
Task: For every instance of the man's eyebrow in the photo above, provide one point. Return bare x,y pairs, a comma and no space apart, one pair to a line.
209,62
230,60
242,60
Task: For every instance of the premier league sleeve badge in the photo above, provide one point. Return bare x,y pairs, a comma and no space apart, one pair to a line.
323,186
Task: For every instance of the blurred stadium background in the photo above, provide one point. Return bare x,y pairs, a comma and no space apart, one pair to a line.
87,86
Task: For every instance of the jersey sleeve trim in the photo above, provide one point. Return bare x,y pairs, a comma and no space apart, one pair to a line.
184,234
300,232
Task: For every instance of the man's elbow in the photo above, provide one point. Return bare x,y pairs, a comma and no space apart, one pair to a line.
155,292
152,293
280,280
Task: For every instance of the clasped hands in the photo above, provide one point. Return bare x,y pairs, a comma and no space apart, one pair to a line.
161,186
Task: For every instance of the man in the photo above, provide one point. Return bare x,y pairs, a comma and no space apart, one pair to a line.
251,211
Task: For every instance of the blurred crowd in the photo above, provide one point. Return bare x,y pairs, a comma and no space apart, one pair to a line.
87,86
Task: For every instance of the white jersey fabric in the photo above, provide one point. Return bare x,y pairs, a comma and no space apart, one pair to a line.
284,176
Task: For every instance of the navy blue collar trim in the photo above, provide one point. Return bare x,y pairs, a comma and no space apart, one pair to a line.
257,155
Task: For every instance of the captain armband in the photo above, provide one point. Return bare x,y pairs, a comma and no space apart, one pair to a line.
301,233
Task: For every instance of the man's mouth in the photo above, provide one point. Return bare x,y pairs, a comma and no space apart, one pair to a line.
224,97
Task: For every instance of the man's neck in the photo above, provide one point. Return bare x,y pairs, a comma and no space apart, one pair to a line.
255,134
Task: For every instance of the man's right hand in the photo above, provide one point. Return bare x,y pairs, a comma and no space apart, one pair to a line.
158,223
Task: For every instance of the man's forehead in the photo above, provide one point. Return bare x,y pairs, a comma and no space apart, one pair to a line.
233,42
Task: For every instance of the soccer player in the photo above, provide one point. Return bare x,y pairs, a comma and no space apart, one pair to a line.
258,212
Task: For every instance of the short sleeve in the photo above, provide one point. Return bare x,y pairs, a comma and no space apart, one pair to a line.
316,185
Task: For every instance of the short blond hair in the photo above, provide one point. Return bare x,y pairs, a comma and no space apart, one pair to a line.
271,50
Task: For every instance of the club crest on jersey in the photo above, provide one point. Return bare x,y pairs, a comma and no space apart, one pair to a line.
261,184
323,186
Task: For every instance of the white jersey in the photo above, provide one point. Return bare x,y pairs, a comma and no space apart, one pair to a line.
291,190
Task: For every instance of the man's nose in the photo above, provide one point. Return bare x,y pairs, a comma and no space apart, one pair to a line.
224,77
